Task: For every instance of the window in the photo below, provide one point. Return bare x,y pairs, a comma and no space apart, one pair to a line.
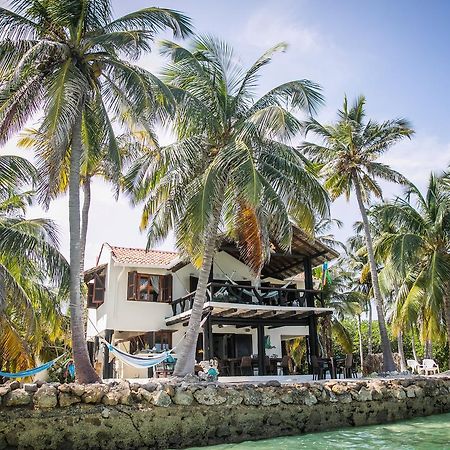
144,287
96,291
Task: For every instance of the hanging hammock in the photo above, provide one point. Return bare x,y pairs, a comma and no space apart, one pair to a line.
139,362
31,372
145,362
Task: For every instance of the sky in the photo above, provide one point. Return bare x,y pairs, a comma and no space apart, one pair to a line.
395,53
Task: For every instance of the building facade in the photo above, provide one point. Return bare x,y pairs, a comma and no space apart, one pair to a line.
141,300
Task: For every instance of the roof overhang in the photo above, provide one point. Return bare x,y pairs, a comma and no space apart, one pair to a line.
282,264
240,313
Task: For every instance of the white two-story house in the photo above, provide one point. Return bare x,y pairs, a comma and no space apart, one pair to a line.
141,301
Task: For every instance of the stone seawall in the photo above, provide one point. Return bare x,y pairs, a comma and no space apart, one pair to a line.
177,415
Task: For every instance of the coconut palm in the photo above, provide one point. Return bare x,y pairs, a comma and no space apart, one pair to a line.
347,158
95,163
232,170
356,261
340,294
30,269
70,61
417,252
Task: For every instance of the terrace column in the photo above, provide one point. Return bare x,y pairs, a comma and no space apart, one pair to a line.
309,284
207,339
107,366
261,350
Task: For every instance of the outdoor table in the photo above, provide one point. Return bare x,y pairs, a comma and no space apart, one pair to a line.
234,363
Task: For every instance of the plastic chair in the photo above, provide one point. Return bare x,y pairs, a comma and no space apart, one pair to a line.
430,367
415,366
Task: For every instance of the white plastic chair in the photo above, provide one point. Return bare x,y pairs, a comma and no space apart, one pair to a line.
415,366
430,367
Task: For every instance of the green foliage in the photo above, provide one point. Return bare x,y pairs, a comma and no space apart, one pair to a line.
33,274
415,248
440,350
232,158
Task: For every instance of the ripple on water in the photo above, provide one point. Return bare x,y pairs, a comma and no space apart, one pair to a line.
427,433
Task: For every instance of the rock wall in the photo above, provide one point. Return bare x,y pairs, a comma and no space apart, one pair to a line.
177,415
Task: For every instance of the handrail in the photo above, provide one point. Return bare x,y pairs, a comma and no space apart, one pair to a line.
234,293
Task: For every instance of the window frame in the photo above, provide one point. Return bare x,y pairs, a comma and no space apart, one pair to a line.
165,290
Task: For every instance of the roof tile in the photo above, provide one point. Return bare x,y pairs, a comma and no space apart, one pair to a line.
138,256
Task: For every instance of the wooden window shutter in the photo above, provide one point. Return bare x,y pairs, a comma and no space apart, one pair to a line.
166,288
99,289
90,295
132,286
169,287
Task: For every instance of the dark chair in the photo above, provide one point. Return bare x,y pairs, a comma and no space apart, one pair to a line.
224,367
285,364
267,365
348,369
246,367
319,369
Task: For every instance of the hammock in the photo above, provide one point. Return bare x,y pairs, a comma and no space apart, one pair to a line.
140,362
31,372
143,362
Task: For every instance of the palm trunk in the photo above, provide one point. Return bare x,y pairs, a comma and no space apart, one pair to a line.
388,360
369,330
186,362
84,371
401,351
328,336
447,318
428,351
83,240
85,220
413,345
361,351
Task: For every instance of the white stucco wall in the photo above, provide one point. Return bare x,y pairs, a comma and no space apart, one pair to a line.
119,314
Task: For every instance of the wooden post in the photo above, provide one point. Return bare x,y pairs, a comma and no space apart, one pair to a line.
107,366
261,350
150,338
309,284
313,343
207,339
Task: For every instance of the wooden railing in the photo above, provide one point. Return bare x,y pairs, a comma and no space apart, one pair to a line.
251,295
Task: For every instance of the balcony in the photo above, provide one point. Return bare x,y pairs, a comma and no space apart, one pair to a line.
228,293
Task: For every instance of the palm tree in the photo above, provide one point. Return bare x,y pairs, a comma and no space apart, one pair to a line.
65,59
340,294
347,159
356,261
231,170
418,253
30,269
95,162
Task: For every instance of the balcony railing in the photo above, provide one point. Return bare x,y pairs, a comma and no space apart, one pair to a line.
250,295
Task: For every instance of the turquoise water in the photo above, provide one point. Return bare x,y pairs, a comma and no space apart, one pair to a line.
427,433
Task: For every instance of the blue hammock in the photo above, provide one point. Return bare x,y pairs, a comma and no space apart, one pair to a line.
31,372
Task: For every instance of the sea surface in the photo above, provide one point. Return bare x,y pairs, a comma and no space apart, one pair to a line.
427,433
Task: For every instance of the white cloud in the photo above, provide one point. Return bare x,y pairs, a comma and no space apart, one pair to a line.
415,159
267,27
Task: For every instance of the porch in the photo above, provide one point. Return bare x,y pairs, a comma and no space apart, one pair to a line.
240,322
